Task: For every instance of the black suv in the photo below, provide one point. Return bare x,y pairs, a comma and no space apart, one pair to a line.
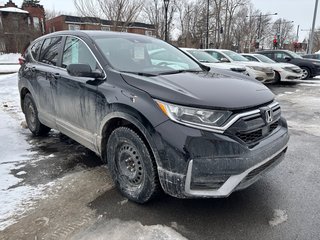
310,67
156,116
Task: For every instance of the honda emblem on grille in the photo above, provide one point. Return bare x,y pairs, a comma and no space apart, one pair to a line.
267,114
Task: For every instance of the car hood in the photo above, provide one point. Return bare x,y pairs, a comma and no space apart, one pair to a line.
223,65
212,90
258,64
282,65
309,60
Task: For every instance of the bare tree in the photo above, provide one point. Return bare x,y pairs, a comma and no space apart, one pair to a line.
283,30
153,11
316,46
189,15
120,12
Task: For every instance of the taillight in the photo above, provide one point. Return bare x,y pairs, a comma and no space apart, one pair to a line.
22,60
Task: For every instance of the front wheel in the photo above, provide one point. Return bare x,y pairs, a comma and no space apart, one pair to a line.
31,114
277,77
132,166
305,73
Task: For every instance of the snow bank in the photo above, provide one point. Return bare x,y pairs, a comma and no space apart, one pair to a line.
14,199
10,58
9,63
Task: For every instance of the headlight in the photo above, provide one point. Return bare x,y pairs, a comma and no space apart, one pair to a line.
202,118
261,69
257,68
291,69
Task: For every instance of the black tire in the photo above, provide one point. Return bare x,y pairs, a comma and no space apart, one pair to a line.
31,114
305,73
132,166
277,77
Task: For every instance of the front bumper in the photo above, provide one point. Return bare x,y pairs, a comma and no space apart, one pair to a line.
286,75
261,76
197,163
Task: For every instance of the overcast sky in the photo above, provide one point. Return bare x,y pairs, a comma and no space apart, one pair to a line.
299,11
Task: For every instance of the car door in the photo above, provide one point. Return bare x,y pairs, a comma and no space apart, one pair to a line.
281,57
47,61
76,97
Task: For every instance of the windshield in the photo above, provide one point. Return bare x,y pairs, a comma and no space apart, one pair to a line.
235,56
294,55
143,55
264,59
203,56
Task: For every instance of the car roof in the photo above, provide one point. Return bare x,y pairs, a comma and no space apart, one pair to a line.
91,33
277,50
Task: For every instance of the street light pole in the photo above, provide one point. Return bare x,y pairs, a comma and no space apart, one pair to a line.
313,26
166,4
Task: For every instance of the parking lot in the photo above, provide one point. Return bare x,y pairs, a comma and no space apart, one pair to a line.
57,189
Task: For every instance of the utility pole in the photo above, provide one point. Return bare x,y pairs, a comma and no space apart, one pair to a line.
207,37
313,26
166,4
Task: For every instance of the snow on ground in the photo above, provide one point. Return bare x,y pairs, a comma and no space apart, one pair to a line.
127,230
13,154
9,63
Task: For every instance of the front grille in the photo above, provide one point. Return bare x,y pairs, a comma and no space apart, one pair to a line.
251,129
261,168
270,74
257,135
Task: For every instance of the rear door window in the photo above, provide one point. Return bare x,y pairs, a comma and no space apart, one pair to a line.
35,50
251,59
50,51
76,52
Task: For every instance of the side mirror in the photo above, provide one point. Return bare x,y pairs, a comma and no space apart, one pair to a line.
287,59
224,60
83,70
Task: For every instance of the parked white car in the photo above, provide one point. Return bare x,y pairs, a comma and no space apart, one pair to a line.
207,60
259,71
283,71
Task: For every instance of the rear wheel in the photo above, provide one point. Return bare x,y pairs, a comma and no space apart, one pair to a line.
132,166
305,73
31,114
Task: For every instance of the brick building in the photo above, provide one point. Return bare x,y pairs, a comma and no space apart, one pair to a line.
66,22
19,26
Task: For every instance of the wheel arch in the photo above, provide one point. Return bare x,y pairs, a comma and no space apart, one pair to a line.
23,92
129,117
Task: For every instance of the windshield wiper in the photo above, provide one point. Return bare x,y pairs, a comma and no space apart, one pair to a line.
141,73
179,71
